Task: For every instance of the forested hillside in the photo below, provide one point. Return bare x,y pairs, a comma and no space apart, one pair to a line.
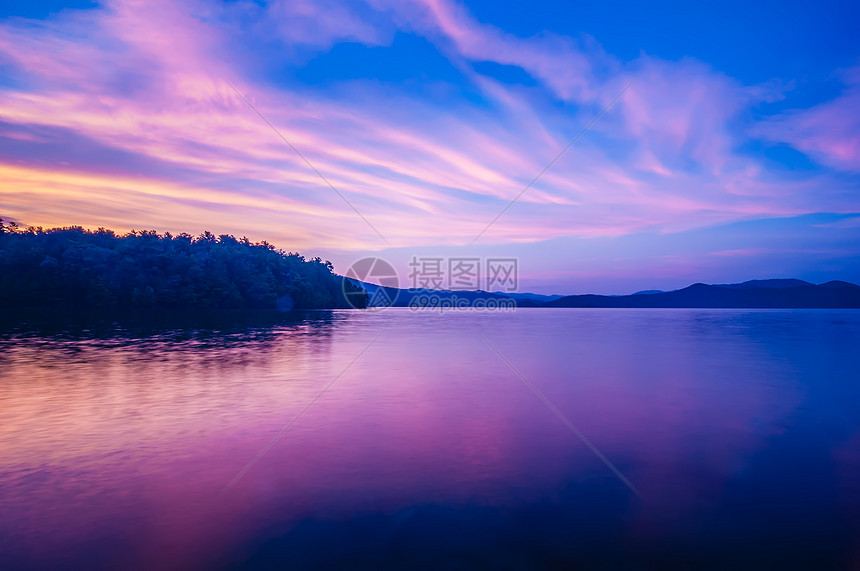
77,268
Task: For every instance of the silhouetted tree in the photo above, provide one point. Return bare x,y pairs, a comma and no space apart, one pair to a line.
74,267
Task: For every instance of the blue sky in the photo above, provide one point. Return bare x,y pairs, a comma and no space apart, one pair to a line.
734,155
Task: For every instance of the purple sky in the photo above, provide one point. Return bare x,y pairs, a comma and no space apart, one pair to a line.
734,155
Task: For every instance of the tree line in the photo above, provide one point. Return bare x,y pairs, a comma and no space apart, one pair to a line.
77,268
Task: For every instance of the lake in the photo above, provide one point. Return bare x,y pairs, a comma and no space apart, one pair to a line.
540,438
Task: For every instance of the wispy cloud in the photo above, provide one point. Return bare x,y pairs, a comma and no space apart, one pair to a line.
828,132
141,87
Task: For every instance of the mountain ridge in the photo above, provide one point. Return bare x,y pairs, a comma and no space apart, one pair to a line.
752,294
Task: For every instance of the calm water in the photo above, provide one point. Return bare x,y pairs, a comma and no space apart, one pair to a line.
739,429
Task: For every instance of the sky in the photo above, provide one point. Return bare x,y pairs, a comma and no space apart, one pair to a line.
733,153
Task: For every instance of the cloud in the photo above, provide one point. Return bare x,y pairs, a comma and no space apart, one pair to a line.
157,138
828,132
569,66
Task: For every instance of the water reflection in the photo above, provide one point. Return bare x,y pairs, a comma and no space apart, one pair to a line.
739,428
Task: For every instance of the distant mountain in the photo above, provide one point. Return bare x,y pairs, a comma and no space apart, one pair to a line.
778,293
536,297
752,294
837,283
774,284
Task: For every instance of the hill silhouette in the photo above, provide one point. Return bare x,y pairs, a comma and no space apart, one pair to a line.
783,293
75,268
775,293
80,269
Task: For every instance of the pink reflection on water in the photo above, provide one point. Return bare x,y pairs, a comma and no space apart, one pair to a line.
119,450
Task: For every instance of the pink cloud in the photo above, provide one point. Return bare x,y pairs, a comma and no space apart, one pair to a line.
828,132
663,160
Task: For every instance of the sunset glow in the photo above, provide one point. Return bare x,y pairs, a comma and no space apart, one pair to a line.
430,117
